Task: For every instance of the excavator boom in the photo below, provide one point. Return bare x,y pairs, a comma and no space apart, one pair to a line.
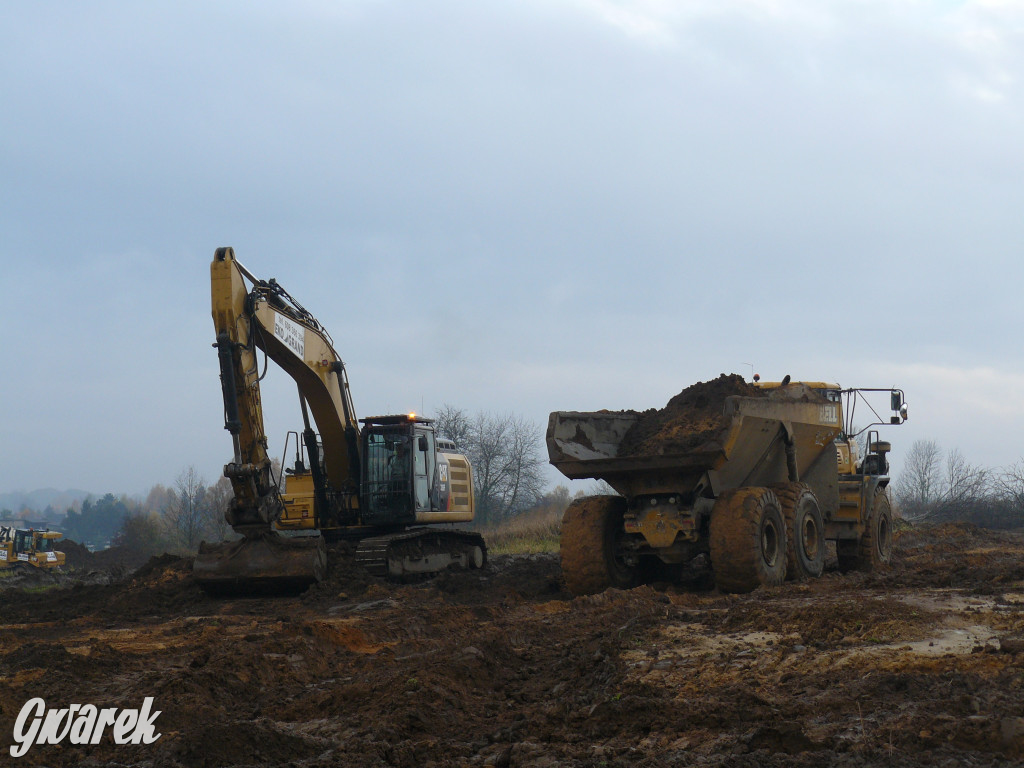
262,317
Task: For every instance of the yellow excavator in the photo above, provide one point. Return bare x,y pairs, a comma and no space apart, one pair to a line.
390,486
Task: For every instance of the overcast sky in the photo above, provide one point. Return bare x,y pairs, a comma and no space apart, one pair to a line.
511,206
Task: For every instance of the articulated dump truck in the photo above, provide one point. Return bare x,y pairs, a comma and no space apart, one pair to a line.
755,476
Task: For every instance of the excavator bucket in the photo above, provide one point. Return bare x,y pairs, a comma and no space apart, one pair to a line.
269,563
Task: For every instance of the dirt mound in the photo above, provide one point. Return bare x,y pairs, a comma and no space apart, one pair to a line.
120,558
505,578
37,656
159,564
691,418
248,743
117,558
987,562
75,554
344,578
28,577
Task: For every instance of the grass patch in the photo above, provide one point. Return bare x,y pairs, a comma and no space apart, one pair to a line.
535,531
39,588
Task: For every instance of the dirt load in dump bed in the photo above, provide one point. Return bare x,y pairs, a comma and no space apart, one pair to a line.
691,418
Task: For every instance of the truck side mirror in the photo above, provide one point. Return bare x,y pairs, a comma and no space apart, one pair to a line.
897,400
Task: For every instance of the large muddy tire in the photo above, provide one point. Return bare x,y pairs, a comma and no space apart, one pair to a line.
591,550
805,530
748,540
874,550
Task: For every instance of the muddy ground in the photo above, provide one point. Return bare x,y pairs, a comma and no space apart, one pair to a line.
920,665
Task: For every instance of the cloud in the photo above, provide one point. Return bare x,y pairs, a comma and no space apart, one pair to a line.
989,35
511,206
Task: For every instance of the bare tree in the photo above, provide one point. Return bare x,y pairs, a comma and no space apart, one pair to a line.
485,448
558,497
933,490
215,504
964,487
938,491
158,498
1005,507
183,515
454,424
142,532
599,488
1009,484
505,451
919,485
523,467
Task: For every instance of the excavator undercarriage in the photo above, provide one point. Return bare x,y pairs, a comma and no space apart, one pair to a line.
419,552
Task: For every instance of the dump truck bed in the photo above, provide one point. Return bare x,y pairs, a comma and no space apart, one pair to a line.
748,449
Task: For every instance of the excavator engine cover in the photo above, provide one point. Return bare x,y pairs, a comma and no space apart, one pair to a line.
267,562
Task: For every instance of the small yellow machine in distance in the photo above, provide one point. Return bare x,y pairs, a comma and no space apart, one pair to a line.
29,547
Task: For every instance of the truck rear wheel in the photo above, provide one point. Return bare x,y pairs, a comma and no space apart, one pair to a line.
748,540
874,549
591,546
805,531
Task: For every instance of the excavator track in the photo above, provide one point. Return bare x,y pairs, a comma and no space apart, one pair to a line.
420,552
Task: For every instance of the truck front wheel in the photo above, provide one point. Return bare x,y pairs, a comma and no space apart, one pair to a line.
591,546
874,549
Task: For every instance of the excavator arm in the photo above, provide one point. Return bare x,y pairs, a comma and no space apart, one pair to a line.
266,319
262,317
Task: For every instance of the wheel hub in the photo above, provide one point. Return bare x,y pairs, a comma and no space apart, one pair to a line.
810,538
769,542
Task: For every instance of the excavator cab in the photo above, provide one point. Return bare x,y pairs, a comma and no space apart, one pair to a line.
23,543
399,469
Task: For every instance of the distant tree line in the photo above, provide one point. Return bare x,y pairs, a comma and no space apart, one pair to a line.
98,521
169,519
937,487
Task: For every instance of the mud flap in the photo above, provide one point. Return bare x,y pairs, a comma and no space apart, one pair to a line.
267,562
